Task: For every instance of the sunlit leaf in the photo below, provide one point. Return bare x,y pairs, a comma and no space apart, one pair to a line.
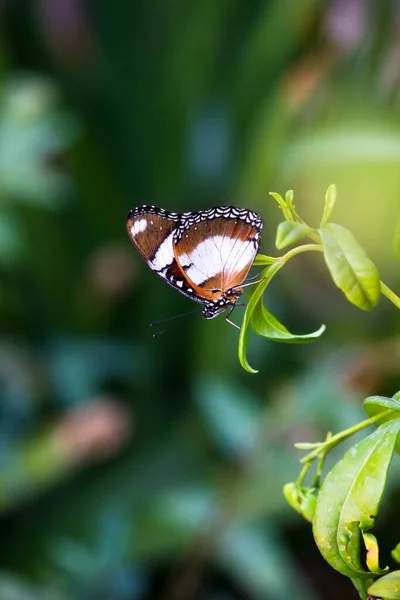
351,269
379,404
375,405
387,587
263,322
330,199
349,499
282,205
290,232
266,325
289,197
256,295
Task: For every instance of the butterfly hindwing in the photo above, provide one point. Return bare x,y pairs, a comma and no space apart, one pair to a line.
216,248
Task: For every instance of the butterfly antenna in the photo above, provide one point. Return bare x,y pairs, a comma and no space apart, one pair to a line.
254,277
181,316
243,285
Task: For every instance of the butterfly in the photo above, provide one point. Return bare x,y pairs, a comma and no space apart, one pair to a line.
205,255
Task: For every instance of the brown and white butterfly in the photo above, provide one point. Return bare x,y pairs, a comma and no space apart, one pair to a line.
205,255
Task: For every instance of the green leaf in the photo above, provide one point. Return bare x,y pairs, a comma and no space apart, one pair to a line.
396,553
302,499
281,202
349,499
256,295
330,199
380,404
372,558
285,205
351,269
290,232
266,325
289,196
387,587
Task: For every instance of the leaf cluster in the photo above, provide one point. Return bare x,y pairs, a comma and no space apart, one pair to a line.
343,508
351,270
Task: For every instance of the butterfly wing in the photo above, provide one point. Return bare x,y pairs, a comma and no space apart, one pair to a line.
216,248
151,230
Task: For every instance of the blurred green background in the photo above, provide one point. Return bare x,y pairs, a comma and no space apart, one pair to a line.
133,467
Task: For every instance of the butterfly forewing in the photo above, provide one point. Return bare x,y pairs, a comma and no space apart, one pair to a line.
216,248
151,230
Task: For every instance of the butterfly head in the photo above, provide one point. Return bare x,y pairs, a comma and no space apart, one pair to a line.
228,299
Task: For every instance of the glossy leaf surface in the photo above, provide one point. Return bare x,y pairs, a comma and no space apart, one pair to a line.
290,232
380,404
266,325
351,269
255,296
263,322
387,587
349,499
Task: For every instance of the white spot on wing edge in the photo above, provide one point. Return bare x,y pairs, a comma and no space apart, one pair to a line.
164,255
138,227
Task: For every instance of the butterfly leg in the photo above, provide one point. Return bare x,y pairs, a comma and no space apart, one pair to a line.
229,314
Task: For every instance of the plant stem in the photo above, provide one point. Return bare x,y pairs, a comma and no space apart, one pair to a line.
304,248
360,587
335,439
390,295
303,473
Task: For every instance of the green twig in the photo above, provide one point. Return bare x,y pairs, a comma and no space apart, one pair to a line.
303,473
325,447
304,248
390,295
